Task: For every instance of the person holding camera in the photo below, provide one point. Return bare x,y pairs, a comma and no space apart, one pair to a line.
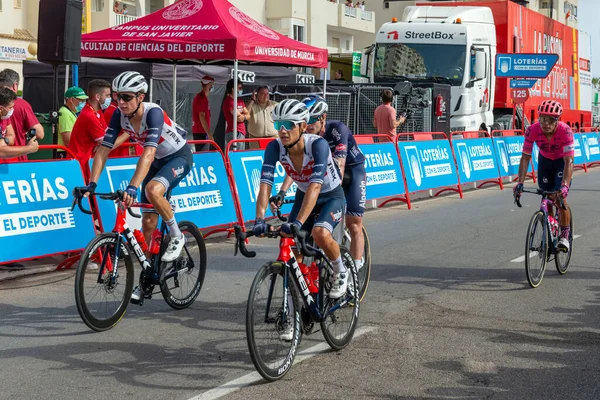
384,118
8,147
22,120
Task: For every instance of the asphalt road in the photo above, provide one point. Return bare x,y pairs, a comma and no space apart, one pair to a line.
448,315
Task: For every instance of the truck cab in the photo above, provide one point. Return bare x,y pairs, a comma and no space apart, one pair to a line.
453,45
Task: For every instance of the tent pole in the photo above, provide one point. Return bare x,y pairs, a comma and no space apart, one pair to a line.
325,84
67,77
151,91
235,97
174,92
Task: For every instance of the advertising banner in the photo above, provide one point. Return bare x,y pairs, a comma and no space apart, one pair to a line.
202,197
591,150
247,166
509,150
476,159
428,164
35,210
384,177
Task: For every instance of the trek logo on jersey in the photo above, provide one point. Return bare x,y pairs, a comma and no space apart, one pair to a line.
337,216
568,148
177,172
340,147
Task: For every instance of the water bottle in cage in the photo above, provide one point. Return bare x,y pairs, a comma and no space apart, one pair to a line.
139,236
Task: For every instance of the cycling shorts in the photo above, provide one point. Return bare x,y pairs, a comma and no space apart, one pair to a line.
329,207
169,171
355,189
550,173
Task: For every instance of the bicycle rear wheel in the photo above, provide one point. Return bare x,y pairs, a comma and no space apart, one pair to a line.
100,296
181,280
536,249
561,259
266,320
341,315
364,274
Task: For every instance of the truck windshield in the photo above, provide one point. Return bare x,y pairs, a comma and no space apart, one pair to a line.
420,61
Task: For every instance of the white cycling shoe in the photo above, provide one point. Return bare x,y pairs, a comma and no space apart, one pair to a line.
563,245
173,249
339,285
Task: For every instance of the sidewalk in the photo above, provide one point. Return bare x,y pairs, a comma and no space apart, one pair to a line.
33,267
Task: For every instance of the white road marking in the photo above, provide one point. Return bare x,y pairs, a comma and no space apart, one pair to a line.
533,254
254,377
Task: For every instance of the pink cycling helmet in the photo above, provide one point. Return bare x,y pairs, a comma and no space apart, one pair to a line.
551,108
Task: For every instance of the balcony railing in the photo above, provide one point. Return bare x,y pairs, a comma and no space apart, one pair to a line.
122,19
367,15
350,11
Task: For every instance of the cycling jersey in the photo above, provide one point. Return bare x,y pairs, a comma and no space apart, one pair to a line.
317,166
342,143
560,145
156,130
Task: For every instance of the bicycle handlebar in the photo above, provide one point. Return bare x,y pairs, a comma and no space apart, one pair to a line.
281,217
541,192
299,236
78,193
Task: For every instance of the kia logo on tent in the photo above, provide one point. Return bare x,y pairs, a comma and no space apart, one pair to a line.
304,79
244,76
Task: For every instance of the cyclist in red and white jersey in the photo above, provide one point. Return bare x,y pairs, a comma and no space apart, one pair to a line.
165,161
555,162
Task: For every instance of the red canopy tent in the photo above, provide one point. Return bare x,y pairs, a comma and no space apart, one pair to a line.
200,31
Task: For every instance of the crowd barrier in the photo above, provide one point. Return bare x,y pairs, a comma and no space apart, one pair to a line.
221,189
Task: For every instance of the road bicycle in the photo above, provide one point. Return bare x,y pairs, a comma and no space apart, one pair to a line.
105,274
273,304
543,236
364,273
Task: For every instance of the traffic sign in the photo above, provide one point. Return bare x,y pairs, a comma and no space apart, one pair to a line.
519,96
522,83
525,65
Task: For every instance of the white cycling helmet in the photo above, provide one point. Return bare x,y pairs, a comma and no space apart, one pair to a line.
290,110
316,105
130,81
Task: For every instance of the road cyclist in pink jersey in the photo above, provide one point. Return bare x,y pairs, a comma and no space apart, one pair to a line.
555,162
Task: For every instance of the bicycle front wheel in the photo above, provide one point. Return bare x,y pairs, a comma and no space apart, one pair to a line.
536,249
363,274
100,294
181,280
341,315
561,259
272,322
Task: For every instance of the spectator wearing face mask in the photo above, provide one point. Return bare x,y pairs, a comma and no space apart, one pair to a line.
22,119
75,99
8,148
201,114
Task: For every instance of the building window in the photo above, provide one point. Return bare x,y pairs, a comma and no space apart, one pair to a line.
335,42
97,5
386,4
299,33
347,45
544,5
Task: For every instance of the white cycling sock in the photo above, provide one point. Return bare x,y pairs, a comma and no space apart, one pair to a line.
338,265
359,264
174,231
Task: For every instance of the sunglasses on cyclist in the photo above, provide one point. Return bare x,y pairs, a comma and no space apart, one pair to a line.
313,120
287,125
548,120
126,97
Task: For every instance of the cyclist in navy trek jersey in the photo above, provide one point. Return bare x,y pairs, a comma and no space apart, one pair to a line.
351,163
166,159
308,162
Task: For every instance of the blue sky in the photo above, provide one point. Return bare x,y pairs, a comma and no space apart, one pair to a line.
587,16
